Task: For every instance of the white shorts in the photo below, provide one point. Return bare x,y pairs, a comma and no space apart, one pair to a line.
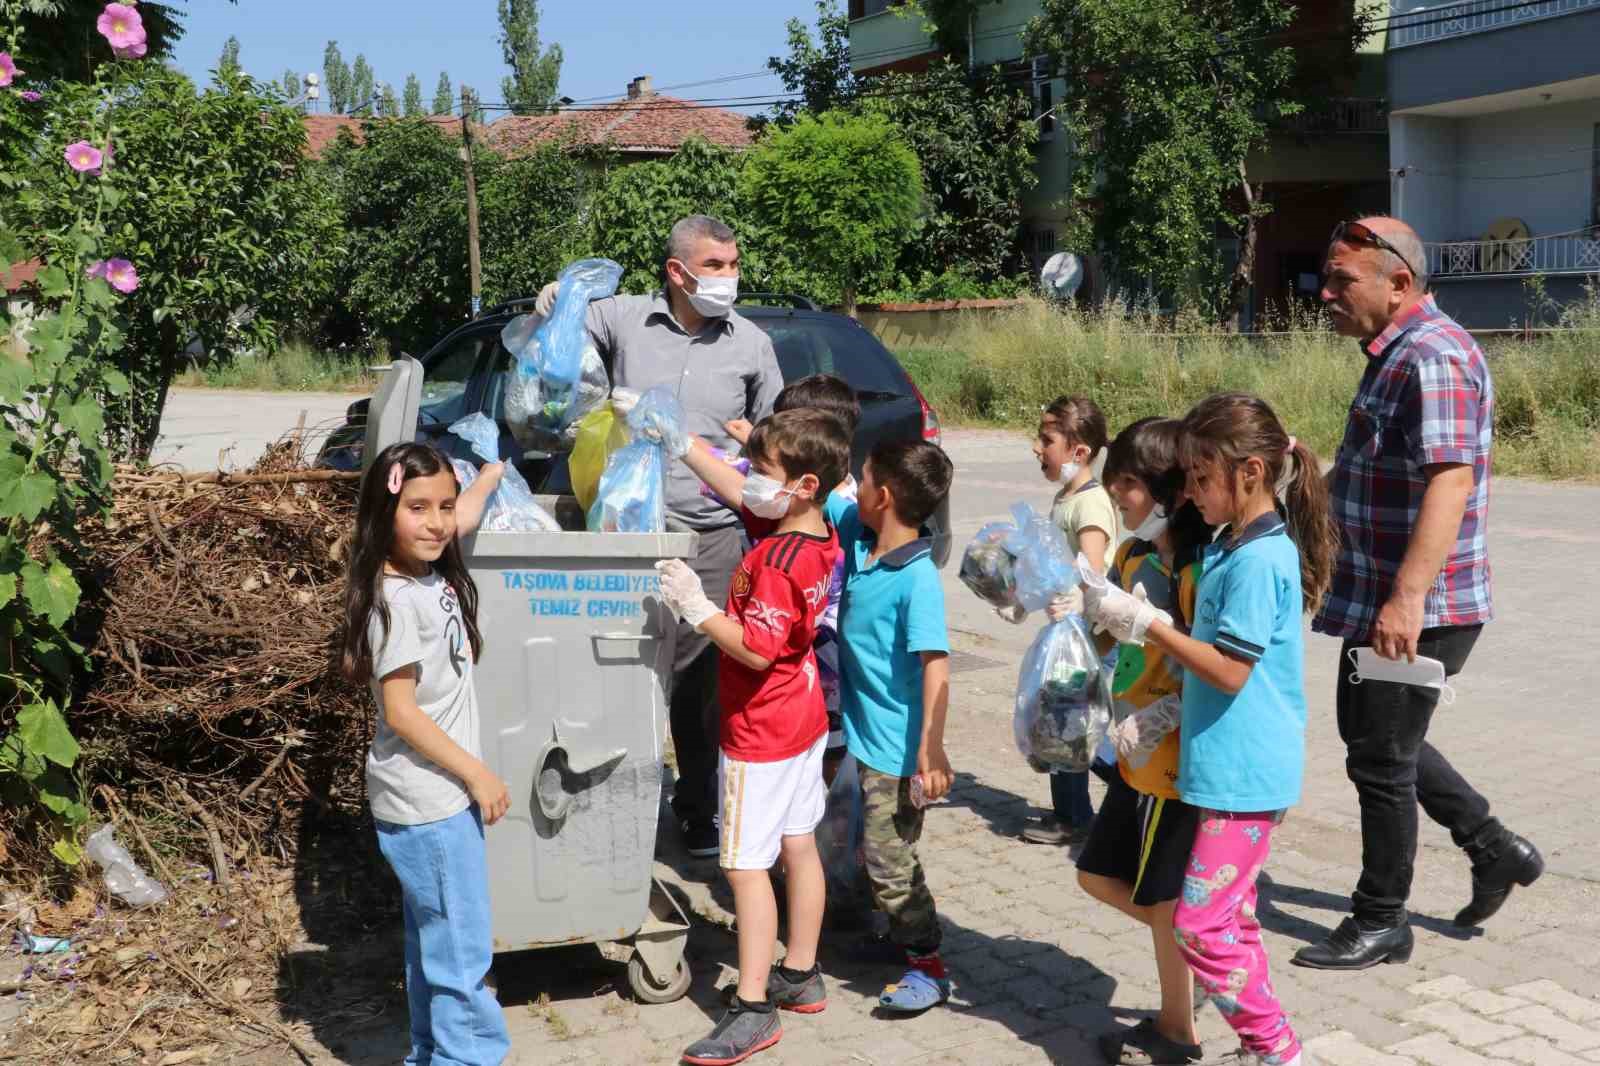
763,802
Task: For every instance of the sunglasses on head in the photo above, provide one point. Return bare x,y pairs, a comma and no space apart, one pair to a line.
1361,233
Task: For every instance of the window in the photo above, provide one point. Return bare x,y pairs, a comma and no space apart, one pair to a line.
1043,88
860,9
817,346
444,383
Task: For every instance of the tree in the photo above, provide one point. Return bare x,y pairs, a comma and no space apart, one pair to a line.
844,191
228,62
973,135
292,86
361,89
470,104
948,22
336,79
233,234
818,70
531,219
1165,100
444,100
388,102
59,40
535,73
413,97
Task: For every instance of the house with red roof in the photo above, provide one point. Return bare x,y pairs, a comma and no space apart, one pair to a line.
323,130
643,125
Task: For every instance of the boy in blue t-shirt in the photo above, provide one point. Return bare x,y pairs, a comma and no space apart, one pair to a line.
894,690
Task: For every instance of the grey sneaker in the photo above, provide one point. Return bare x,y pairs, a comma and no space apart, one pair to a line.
809,996
741,1033
1048,830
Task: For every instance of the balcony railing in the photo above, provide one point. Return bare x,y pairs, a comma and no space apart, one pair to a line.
1414,23
1577,252
1344,115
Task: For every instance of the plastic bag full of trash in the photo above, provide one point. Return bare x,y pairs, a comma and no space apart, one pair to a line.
511,508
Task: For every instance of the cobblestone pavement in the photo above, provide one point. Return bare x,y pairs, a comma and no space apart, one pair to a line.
1040,969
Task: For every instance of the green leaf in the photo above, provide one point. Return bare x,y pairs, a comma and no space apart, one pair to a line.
85,418
23,494
116,382
67,851
44,730
98,293
8,588
15,377
54,660
52,593
53,283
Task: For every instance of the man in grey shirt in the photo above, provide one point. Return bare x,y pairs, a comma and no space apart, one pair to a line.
721,366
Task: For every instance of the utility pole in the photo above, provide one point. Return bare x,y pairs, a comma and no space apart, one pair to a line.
475,267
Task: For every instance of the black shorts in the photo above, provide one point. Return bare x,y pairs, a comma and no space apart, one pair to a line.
1143,840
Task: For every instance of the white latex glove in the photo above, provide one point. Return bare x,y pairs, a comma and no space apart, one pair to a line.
1016,614
682,591
623,401
547,299
1069,602
1137,736
1126,616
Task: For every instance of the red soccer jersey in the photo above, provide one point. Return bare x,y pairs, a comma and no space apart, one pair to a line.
778,591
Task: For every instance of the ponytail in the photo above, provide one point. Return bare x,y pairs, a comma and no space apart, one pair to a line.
1310,521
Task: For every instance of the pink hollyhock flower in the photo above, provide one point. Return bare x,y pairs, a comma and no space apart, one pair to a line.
30,96
132,51
8,69
85,158
119,273
121,25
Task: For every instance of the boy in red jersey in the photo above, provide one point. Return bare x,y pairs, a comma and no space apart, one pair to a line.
774,720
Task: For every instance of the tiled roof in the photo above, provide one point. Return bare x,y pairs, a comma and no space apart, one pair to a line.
653,124
19,275
323,130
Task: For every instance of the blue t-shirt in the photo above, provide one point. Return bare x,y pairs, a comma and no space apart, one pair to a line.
892,611
1246,752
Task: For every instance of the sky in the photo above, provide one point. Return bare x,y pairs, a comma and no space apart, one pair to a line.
606,43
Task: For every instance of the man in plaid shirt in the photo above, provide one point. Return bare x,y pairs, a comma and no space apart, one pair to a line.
1410,494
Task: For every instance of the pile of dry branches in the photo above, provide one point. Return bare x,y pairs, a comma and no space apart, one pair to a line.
213,733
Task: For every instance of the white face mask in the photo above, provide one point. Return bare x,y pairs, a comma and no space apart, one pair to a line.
1424,673
765,497
1067,473
1154,524
713,297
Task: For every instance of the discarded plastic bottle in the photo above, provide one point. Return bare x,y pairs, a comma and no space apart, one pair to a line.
123,876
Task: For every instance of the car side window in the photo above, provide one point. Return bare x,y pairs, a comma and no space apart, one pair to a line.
444,384
807,346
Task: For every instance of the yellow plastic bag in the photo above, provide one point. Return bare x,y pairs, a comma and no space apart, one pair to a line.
599,434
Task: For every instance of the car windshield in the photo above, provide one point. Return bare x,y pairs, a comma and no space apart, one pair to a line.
806,346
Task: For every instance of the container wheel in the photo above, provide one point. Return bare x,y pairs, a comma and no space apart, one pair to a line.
647,990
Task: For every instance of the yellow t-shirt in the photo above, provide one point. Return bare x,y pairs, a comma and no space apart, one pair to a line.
1087,508
1144,673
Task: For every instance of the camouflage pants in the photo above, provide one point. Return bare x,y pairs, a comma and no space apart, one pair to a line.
891,828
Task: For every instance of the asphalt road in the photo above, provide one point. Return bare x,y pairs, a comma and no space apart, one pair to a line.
208,429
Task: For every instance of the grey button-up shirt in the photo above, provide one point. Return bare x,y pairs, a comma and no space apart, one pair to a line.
725,371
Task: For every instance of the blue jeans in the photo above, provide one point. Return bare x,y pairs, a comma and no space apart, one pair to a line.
444,886
1069,798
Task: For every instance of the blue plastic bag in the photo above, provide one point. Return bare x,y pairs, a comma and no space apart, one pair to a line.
511,508
564,335
1045,566
632,495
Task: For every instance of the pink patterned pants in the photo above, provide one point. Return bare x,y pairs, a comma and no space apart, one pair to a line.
1216,926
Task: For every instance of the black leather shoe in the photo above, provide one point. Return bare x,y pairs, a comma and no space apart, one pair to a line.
1353,946
1515,862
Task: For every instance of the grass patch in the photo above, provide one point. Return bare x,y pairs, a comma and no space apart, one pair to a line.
294,368
1002,369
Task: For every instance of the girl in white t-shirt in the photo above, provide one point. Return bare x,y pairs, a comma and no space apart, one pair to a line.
411,632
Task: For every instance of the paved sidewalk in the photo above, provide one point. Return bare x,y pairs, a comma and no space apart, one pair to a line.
1040,969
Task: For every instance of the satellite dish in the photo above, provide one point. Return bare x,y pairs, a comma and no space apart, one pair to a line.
1506,246
1061,277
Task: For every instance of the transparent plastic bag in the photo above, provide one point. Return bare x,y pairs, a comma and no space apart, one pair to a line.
511,508
123,877
1063,705
632,493
989,569
541,426
839,839
1045,564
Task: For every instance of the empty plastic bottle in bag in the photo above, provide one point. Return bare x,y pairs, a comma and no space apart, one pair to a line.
123,876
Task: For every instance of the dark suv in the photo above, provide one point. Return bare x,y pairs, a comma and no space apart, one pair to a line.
466,372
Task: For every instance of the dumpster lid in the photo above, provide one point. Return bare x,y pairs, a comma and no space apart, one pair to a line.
392,414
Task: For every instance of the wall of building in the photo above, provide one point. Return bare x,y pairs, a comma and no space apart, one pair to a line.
1499,303
1555,142
1425,146
1502,60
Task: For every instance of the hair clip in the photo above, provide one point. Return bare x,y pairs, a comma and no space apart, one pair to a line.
397,477
1290,449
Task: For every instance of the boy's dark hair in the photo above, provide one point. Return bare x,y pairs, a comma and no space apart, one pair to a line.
917,472
1077,418
804,441
1148,450
821,392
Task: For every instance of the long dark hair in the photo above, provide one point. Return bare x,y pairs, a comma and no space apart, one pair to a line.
1228,429
1148,450
363,591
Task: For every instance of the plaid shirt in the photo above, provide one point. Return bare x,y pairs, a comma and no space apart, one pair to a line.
1425,398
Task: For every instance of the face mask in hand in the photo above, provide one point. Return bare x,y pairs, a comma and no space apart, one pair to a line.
764,497
713,297
1424,673
1154,524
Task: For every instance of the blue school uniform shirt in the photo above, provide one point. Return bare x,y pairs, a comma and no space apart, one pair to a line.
891,612
1245,752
